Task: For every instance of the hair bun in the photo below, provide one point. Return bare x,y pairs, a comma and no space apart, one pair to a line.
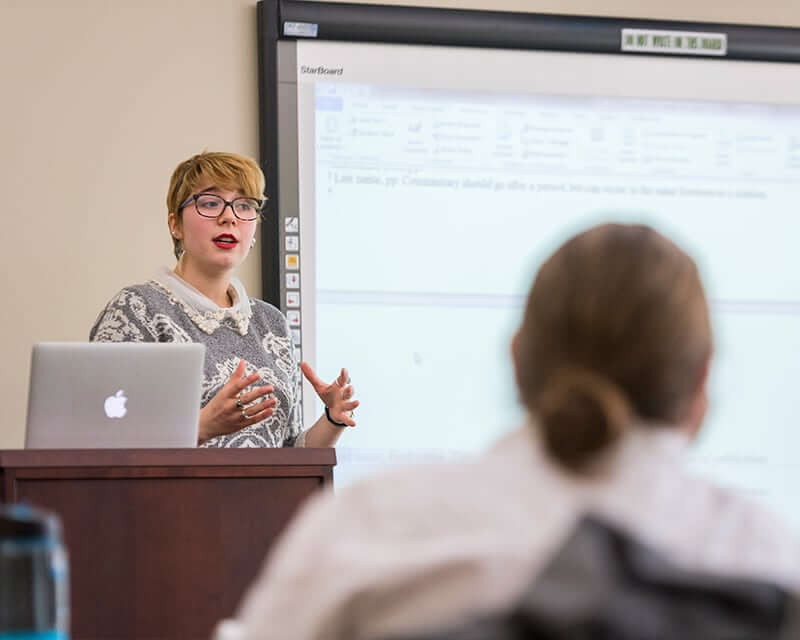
580,414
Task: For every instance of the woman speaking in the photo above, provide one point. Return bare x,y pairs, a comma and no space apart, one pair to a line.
251,382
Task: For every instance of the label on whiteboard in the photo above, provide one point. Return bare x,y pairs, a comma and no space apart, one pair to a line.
688,43
300,29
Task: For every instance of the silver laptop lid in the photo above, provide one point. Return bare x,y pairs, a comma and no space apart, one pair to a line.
114,395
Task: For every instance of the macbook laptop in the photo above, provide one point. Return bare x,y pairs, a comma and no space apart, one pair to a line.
95,395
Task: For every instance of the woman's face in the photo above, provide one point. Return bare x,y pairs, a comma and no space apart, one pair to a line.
214,245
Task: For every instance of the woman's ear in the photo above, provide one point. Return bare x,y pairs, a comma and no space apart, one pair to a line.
699,403
174,226
515,355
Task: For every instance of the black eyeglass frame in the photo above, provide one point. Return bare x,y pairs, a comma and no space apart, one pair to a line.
228,203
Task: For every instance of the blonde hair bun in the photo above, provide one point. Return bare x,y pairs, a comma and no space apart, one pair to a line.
581,413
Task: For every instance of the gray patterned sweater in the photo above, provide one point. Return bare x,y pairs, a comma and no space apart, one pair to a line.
167,309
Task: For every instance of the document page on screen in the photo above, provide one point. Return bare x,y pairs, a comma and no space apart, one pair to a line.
433,182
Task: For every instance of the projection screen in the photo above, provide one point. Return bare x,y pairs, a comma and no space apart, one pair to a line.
421,186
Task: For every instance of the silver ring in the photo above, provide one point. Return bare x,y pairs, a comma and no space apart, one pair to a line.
244,415
239,404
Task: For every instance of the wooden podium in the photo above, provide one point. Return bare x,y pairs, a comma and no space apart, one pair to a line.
162,543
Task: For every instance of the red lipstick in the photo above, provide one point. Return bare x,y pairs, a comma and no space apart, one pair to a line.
225,241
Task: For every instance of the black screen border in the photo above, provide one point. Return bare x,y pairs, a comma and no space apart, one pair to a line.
395,24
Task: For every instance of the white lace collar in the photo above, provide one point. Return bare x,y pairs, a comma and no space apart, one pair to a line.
205,313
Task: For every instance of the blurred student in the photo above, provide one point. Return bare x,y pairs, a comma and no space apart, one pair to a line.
611,362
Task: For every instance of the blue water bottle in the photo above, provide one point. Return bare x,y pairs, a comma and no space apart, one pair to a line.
34,585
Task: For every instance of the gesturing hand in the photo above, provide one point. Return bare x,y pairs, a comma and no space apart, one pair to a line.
231,409
336,396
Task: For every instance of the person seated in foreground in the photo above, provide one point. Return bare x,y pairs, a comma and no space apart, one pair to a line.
611,362
603,584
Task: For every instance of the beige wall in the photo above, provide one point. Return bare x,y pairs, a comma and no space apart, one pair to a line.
101,99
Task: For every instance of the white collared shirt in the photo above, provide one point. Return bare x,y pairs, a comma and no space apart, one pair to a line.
427,546
172,281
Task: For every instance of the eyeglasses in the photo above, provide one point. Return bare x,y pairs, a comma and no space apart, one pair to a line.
210,205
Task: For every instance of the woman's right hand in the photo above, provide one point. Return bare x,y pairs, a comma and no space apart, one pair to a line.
231,409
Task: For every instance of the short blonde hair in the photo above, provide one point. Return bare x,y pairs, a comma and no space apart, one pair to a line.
224,170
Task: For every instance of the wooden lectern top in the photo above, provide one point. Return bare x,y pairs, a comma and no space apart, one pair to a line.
27,458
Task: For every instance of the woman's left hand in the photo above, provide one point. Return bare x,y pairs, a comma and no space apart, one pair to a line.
336,396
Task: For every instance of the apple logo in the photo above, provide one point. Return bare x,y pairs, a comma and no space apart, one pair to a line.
115,405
